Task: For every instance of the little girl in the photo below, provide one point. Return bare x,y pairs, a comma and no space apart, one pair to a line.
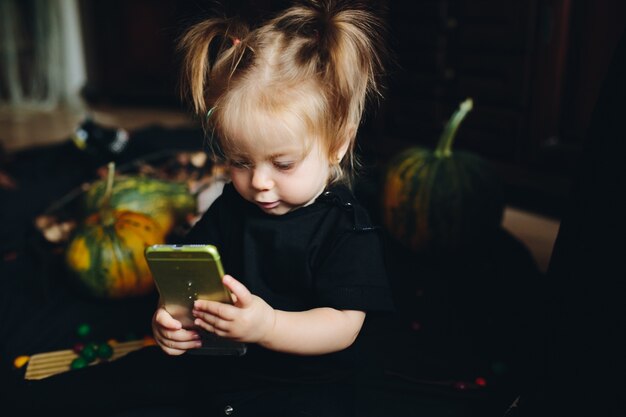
281,104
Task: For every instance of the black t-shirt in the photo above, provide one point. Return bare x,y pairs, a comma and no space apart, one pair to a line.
326,254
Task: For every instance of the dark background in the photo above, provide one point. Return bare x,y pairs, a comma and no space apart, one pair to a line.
533,67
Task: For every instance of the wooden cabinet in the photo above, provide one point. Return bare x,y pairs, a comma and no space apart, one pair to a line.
533,68
131,45
450,50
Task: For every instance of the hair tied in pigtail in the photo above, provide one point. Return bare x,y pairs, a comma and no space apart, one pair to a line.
210,112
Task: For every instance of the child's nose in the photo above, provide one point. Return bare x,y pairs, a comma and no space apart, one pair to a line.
261,179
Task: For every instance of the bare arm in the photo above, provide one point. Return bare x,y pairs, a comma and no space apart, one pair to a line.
251,319
314,332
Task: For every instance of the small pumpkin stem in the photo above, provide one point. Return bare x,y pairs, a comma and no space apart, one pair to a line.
109,188
444,147
107,215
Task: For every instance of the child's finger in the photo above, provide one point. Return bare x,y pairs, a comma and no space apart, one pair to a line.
213,308
242,294
166,320
215,321
212,329
177,348
204,325
181,335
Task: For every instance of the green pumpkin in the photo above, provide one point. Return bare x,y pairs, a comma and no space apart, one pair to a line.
439,199
167,202
106,251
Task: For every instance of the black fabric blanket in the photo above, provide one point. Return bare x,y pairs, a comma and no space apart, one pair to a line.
462,342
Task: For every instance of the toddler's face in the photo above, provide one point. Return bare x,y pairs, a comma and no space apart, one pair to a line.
279,176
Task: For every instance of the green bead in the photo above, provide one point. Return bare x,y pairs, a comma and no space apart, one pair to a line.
78,363
83,330
92,345
89,353
105,351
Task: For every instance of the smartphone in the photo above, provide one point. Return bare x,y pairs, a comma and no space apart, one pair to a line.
185,273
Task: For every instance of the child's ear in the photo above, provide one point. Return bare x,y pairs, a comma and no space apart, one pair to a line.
345,145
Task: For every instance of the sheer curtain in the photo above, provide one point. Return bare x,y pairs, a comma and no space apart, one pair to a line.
42,61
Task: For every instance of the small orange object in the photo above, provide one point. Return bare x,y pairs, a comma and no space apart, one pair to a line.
20,361
149,341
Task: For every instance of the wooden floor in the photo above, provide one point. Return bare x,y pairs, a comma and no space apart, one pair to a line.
23,129
31,127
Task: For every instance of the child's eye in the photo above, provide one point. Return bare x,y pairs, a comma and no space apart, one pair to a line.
284,166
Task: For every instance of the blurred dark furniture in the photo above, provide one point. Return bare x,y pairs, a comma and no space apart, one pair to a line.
585,315
131,45
533,67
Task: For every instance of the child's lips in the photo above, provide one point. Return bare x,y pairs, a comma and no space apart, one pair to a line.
268,206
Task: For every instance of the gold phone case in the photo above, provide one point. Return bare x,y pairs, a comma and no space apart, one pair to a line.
185,273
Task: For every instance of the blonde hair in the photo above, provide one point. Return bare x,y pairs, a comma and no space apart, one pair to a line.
316,63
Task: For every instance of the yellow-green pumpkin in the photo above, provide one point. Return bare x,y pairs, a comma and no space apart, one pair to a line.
439,199
106,253
166,202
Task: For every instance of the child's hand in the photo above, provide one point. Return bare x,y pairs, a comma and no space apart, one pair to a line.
170,335
250,319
